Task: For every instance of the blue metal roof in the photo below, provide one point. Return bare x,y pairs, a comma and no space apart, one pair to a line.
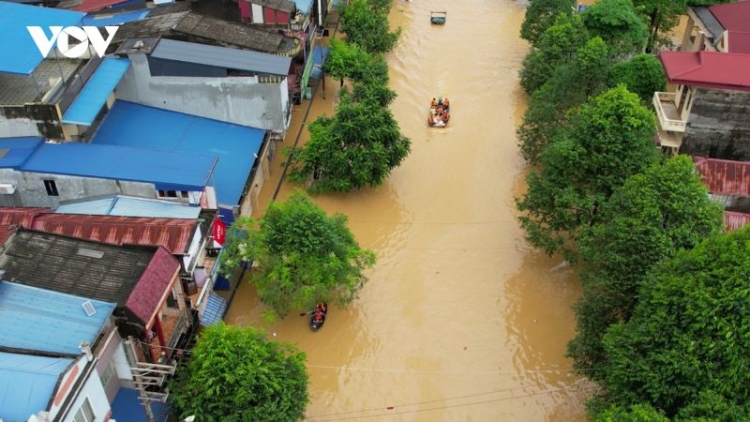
43,320
21,55
140,126
126,206
17,150
27,383
176,169
115,19
94,94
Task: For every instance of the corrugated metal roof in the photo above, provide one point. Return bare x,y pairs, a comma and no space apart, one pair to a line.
17,150
110,278
173,234
183,170
229,58
145,298
94,5
35,319
126,206
94,94
733,16
735,220
709,21
707,69
738,42
724,177
115,18
18,52
27,383
235,146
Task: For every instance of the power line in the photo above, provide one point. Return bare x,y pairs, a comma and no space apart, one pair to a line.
328,418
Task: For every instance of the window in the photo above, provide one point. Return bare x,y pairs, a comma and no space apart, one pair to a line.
85,413
51,187
172,194
108,373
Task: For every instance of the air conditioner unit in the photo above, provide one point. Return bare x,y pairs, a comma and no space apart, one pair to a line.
7,188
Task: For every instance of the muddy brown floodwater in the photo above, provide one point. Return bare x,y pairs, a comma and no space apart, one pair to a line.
460,320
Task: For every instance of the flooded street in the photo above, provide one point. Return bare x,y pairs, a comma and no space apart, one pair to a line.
460,320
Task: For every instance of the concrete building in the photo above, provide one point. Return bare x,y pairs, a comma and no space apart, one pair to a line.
706,112
38,174
235,86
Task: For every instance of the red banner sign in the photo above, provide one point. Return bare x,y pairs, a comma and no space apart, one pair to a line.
220,232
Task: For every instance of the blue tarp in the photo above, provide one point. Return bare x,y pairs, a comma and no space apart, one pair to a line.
18,52
94,94
215,308
27,383
127,408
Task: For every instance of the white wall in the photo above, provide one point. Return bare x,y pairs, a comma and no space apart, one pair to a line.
240,100
22,126
91,389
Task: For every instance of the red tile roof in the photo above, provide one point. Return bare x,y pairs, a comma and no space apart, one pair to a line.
153,285
171,233
732,16
735,220
707,69
94,5
724,177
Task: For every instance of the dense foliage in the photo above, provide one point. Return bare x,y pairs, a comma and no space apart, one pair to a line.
572,84
617,22
650,218
607,140
685,349
642,75
540,15
557,45
301,255
365,23
237,374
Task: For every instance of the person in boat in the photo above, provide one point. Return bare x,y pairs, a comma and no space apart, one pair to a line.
318,316
433,104
322,307
446,104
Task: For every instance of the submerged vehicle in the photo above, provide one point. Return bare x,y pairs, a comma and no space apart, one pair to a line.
440,113
438,18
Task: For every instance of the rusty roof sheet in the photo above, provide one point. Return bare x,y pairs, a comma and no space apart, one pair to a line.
734,220
708,69
20,216
724,177
173,234
182,24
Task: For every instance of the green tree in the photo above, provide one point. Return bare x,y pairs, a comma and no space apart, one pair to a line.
358,147
690,331
712,407
540,15
237,374
662,16
557,46
607,140
346,60
301,255
650,218
618,24
365,23
571,85
635,413
642,75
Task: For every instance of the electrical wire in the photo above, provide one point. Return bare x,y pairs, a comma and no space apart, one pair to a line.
341,416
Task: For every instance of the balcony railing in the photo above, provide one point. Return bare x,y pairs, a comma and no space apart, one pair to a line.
666,110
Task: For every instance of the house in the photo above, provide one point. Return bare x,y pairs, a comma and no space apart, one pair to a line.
38,174
705,113
38,94
734,220
142,281
56,356
728,182
235,86
243,153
